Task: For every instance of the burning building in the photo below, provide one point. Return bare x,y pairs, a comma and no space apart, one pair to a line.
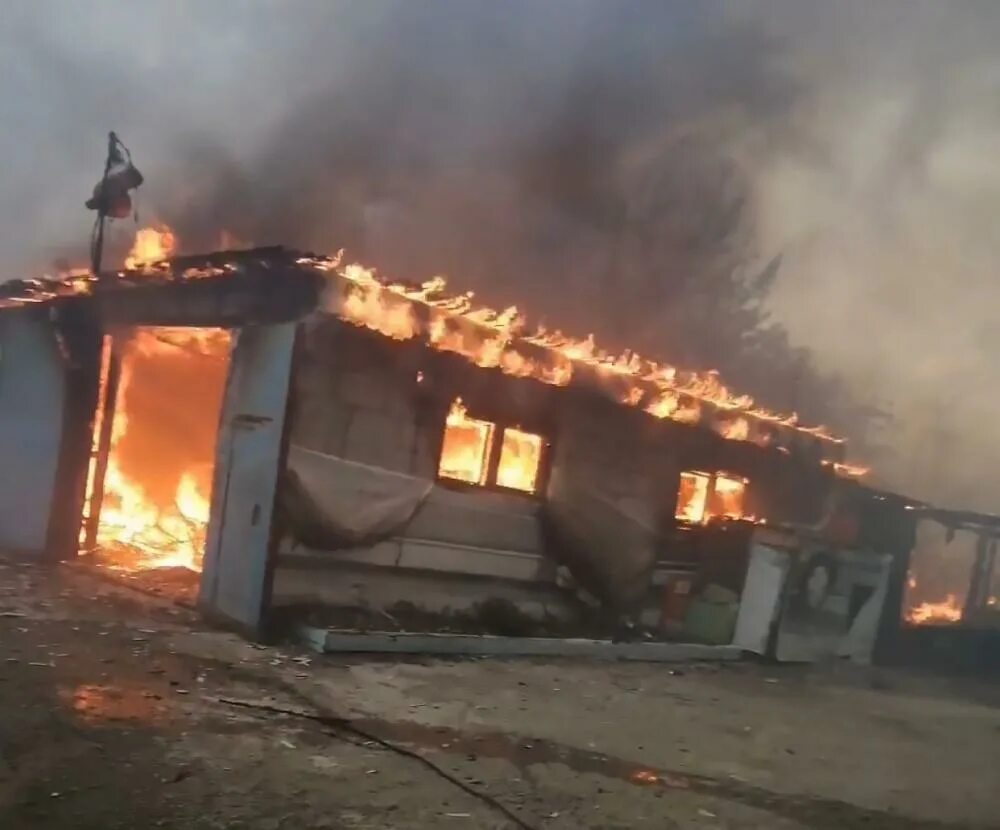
305,434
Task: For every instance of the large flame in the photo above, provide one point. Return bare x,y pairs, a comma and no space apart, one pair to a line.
151,245
157,486
502,339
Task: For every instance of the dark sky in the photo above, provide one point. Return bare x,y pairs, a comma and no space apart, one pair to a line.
508,144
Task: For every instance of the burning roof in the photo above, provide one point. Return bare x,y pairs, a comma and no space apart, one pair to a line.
226,288
242,286
503,340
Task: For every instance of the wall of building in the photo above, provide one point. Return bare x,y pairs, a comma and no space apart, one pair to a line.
32,394
608,505
356,396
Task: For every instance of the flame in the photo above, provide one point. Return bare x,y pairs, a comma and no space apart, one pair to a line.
520,457
491,338
157,486
947,611
730,492
737,429
151,245
702,497
692,497
466,447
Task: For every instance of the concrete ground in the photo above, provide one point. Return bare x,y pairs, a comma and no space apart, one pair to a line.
118,710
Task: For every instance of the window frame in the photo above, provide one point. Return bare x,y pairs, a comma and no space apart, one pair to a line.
495,449
710,494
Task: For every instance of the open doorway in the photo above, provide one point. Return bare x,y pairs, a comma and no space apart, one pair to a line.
152,489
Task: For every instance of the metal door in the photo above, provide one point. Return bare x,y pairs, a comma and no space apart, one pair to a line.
235,584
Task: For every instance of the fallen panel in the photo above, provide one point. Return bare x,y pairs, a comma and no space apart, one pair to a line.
478,645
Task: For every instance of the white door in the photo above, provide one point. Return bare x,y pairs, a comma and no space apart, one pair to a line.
235,584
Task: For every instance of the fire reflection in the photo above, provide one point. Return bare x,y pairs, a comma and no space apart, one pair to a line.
95,704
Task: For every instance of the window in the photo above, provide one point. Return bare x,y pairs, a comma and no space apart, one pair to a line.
470,453
727,496
465,453
692,498
705,496
520,457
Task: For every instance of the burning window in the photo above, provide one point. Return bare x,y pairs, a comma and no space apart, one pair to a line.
520,456
467,453
941,567
727,496
705,496
692,498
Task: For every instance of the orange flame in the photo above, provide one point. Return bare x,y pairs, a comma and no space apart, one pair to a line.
466,448
151,245
737,429
491,338
156,496
947,611
520,457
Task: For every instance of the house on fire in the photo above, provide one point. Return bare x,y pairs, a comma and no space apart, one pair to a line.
304,435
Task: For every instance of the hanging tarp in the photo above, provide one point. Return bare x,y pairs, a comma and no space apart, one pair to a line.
329,503
609,550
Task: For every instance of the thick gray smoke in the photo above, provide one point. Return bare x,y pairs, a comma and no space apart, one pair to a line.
786,190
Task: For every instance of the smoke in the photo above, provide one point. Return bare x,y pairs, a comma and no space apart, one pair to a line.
787,190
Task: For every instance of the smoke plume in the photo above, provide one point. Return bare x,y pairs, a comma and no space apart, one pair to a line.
798,193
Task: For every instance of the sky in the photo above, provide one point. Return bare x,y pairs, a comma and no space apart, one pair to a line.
514,146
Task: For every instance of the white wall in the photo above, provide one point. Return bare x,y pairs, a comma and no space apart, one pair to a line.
31,409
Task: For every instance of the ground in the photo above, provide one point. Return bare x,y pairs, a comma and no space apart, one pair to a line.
118,710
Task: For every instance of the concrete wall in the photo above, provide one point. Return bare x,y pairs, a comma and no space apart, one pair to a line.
619,452
32,393
354,397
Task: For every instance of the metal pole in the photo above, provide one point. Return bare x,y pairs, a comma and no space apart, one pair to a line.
97,252
102,441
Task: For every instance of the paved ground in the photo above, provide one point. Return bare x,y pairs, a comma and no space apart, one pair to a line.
120,711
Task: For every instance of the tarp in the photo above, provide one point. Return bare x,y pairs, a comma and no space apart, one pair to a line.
330,503
610,551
